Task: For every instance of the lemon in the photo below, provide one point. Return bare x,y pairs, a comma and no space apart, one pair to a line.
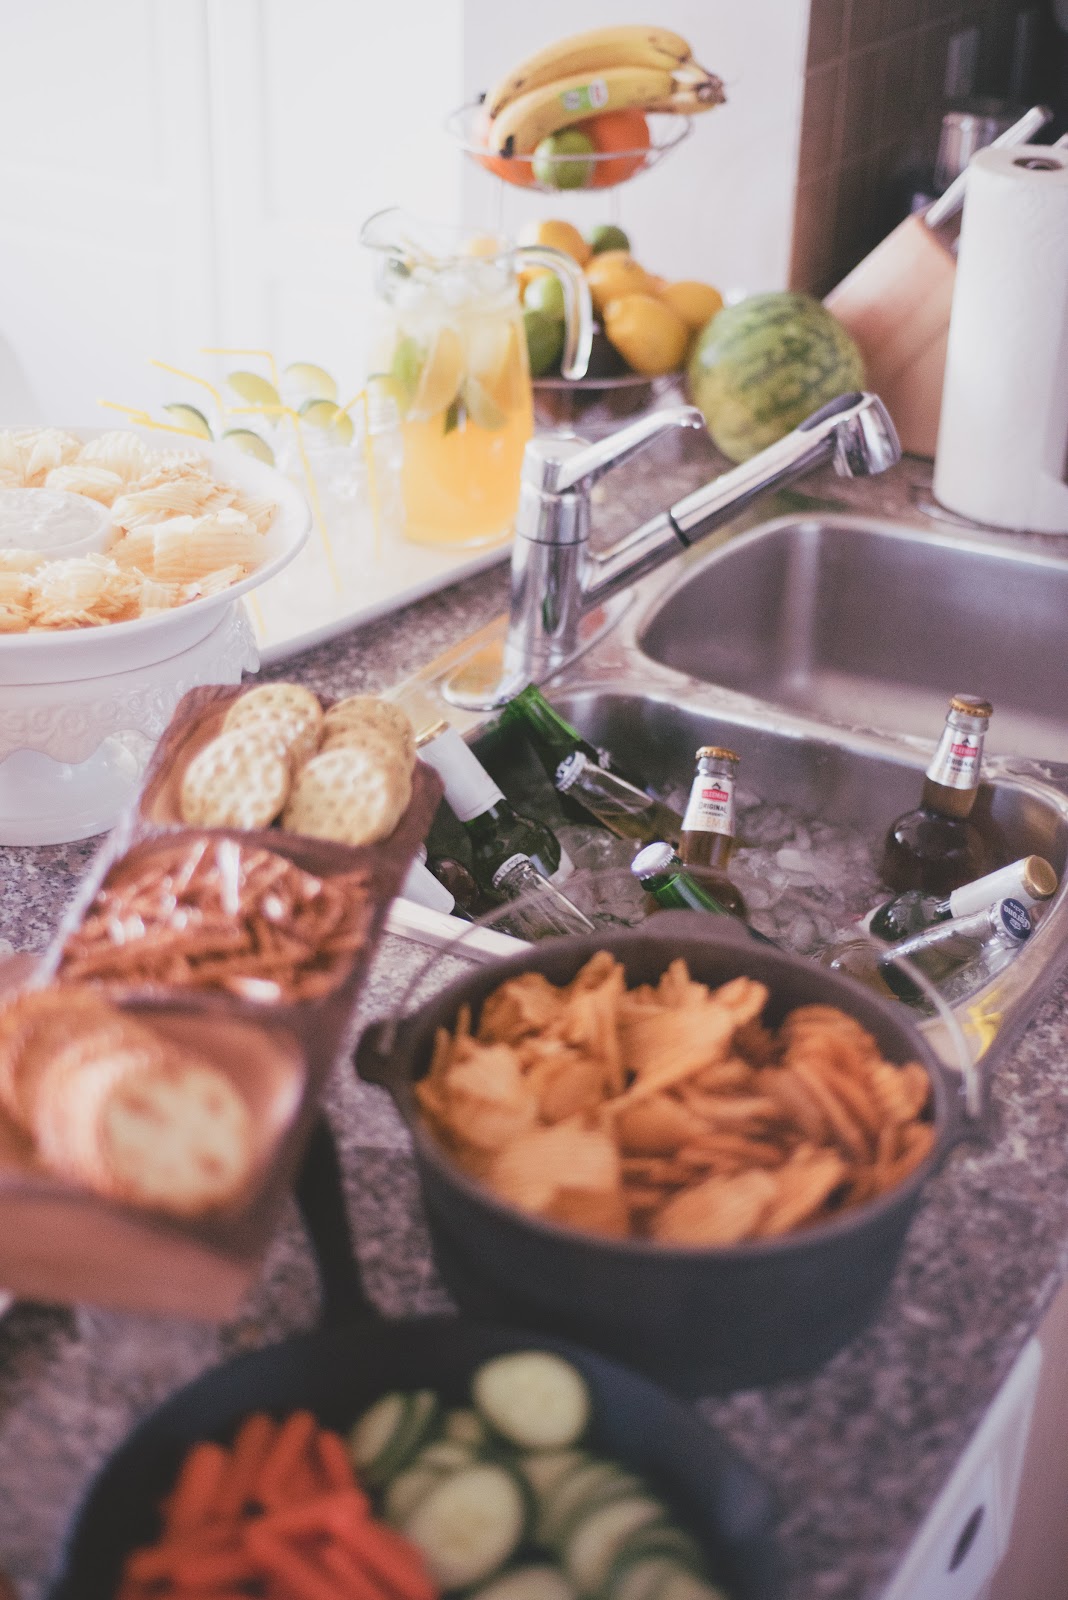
439,380
613,274
189,418
251,387
251,443
696,303
310,382
330,418
649,335
557,236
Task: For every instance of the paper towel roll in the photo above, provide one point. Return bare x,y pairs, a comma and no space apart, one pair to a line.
1002,455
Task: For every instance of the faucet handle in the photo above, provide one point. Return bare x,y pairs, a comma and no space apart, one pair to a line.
554,465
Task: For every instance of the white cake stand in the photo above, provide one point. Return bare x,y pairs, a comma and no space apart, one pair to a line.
82,708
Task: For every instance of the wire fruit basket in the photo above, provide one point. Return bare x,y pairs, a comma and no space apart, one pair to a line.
604,169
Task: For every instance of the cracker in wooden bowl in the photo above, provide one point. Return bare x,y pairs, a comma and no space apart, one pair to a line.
240,779
348,795
287,710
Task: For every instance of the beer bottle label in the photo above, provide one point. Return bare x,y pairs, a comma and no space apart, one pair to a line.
710,808
957,760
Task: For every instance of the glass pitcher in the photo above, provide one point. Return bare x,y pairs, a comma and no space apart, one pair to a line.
451,351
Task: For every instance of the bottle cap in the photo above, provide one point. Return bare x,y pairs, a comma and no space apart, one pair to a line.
1012,917
716,752
569,769
1038,878
429,732
970,706
655,858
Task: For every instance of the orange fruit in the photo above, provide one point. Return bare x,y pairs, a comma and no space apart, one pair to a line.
651,338
510,168
617,130
613,274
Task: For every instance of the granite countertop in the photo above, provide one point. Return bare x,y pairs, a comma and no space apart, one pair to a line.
856,1454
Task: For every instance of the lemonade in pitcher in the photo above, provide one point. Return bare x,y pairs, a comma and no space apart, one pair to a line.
452,355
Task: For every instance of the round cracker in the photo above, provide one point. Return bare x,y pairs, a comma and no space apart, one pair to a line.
238,780
377,740
363,710
37,1024
289,710
348,795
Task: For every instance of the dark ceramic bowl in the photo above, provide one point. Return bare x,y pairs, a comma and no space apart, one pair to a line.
701,1319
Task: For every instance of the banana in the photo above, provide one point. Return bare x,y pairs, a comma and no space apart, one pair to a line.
689,99
589,53
526,121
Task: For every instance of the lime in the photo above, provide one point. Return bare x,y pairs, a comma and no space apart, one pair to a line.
567,173
606,236
545,342
251,443
192,420
481,407
251,387
310,382
545,294
330,418
439,381
407,364
384,390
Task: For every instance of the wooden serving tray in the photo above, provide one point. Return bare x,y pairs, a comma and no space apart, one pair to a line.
59,1242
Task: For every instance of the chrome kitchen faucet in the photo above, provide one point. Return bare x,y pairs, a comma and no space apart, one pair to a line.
558,582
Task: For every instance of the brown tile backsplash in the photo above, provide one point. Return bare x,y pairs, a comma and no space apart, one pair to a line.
874,98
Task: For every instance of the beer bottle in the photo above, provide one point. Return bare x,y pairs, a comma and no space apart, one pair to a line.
626,811
540,911
553,737
497,833
426,889
1030,880
707,840
663,877
937,847
967,950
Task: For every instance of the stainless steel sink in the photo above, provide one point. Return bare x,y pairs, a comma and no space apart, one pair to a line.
873,624
823,650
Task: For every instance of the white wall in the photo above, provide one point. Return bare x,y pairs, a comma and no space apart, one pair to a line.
179,173
721,206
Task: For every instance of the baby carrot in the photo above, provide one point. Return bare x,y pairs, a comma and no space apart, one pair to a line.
248,1453
335,1463
192,1501
355,1583
288,1449
391,1559
336,1514
298,1578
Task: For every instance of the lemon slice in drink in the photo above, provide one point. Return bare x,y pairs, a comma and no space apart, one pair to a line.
495,373
481,406
440,378
330,418
251,443
189,418
252,387
309,382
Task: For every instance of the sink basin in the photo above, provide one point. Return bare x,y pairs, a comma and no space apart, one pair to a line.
874,625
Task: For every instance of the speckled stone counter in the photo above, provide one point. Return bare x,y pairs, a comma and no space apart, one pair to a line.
856,1454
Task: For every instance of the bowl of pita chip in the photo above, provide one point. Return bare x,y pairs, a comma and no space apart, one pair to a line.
698,1153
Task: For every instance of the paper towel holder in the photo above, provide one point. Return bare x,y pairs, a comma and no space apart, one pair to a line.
1038,164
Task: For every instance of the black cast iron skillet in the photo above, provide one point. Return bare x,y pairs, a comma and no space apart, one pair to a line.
336,1370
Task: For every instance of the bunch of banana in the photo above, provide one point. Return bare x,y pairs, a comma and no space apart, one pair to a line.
608,69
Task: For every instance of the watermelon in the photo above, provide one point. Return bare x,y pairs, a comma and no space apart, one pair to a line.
762,366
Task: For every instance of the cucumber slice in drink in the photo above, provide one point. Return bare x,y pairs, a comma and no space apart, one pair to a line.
469,1525
189,418
533,1398
251,443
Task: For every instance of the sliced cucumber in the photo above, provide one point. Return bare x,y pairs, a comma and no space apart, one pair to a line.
387,1436
527,1583
404,1492
469,1524
534,1398
594,1483
375,1431
597,1540
544,1469
465,1427
639,1579
660,1539
445,1455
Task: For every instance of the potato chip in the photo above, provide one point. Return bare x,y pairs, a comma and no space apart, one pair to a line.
48,448
95,482
187,548
120,452
719,1211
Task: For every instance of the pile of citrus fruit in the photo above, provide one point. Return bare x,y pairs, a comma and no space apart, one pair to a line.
644,324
